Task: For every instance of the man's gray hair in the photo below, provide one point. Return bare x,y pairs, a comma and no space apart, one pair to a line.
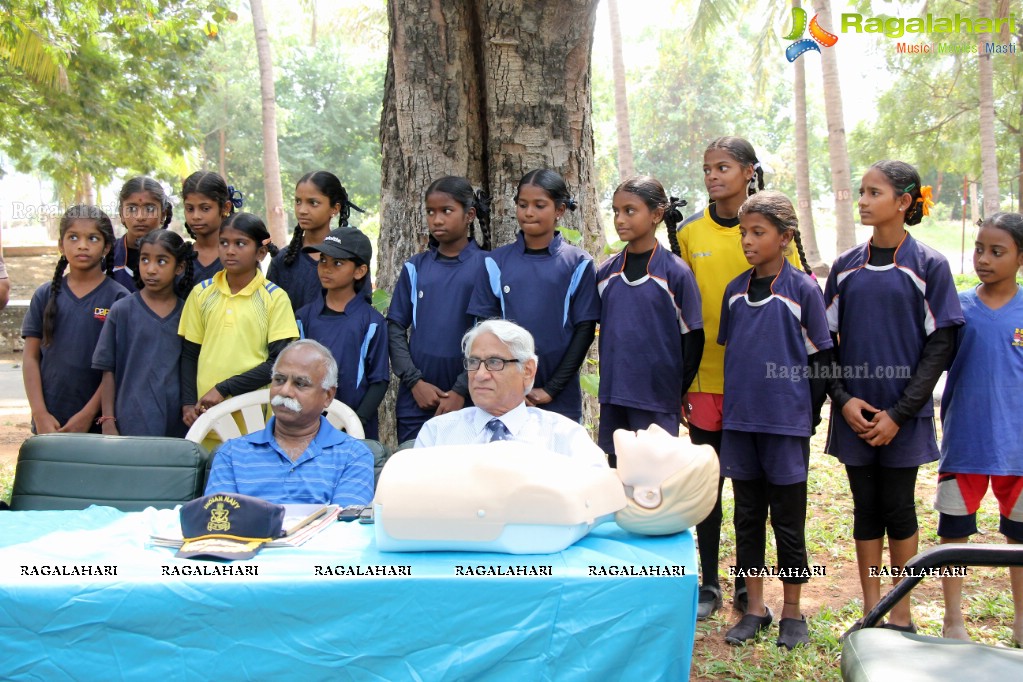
326,357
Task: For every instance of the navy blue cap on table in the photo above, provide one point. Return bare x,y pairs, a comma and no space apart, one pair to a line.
228,527
345,243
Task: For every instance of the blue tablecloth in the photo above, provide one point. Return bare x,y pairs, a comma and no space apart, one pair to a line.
585,621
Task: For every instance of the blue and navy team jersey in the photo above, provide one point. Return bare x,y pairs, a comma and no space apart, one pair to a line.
982,406
358,340
884,314
299,279
641,328
548,294
430,300
143,350
124,260
767,342
69,381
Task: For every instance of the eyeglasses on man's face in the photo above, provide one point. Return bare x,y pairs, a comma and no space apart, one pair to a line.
492,364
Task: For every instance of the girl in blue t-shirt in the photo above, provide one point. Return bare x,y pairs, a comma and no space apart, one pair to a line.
427,318
892,305
64,321
651,323
319,198
208,201
546,285
139,350
143,207
774,330
981,413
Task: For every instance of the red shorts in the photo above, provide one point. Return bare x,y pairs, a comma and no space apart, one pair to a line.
961,494
704,410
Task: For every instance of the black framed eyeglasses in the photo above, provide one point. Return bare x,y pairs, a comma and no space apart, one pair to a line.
492,364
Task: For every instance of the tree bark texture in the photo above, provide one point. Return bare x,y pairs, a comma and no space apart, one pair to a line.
275,216
838,153
626,163
487,89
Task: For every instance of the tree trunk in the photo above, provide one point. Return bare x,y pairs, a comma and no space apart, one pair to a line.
488,89
804,201
626,164
838,154
988,148
275,217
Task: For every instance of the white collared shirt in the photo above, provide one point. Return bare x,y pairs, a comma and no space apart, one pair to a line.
544,429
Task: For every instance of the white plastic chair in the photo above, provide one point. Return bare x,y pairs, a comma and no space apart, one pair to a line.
252,406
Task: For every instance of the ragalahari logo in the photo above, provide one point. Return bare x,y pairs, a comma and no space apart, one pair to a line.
819,35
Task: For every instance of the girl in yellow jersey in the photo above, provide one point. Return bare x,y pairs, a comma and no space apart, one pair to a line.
709,243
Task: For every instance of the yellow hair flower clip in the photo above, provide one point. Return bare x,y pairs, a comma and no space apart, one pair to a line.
925,199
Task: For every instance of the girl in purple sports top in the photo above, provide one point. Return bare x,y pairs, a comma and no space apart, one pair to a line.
775,334
893,309
651,323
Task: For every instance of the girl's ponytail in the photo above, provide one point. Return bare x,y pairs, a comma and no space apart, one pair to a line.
672,219
294,246
481,202
802,254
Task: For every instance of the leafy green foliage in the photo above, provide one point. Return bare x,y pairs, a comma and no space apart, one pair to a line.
133,73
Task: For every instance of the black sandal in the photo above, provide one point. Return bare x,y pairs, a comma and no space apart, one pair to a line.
748,627
793,632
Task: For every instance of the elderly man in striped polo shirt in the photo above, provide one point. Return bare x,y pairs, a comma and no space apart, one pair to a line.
299,458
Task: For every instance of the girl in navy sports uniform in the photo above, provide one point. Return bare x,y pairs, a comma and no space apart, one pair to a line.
319,198
344,321
982,413
64,321
427,318
546,285
139,350
651,324
773,328
893,306
143,207
208,200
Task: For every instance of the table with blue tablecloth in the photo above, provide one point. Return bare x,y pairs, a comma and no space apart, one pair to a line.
606,608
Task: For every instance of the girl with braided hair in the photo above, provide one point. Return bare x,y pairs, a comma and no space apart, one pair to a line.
893,308
651,324
319,198
709,243
64,321
208,201
143,206
774,329
139,350
546,285
427,316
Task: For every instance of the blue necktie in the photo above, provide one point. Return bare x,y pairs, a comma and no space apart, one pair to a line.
498,431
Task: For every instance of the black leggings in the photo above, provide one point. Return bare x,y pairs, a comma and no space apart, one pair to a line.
787,504
708,531
884,500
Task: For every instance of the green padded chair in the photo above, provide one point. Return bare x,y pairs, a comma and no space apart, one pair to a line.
75,470
874,654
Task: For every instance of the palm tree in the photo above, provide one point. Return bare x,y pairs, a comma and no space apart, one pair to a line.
275,215
838,152
988,149
626,164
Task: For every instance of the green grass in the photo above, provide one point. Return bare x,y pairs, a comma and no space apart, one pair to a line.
987,599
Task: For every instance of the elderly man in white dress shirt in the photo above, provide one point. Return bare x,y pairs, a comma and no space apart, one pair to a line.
501,360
